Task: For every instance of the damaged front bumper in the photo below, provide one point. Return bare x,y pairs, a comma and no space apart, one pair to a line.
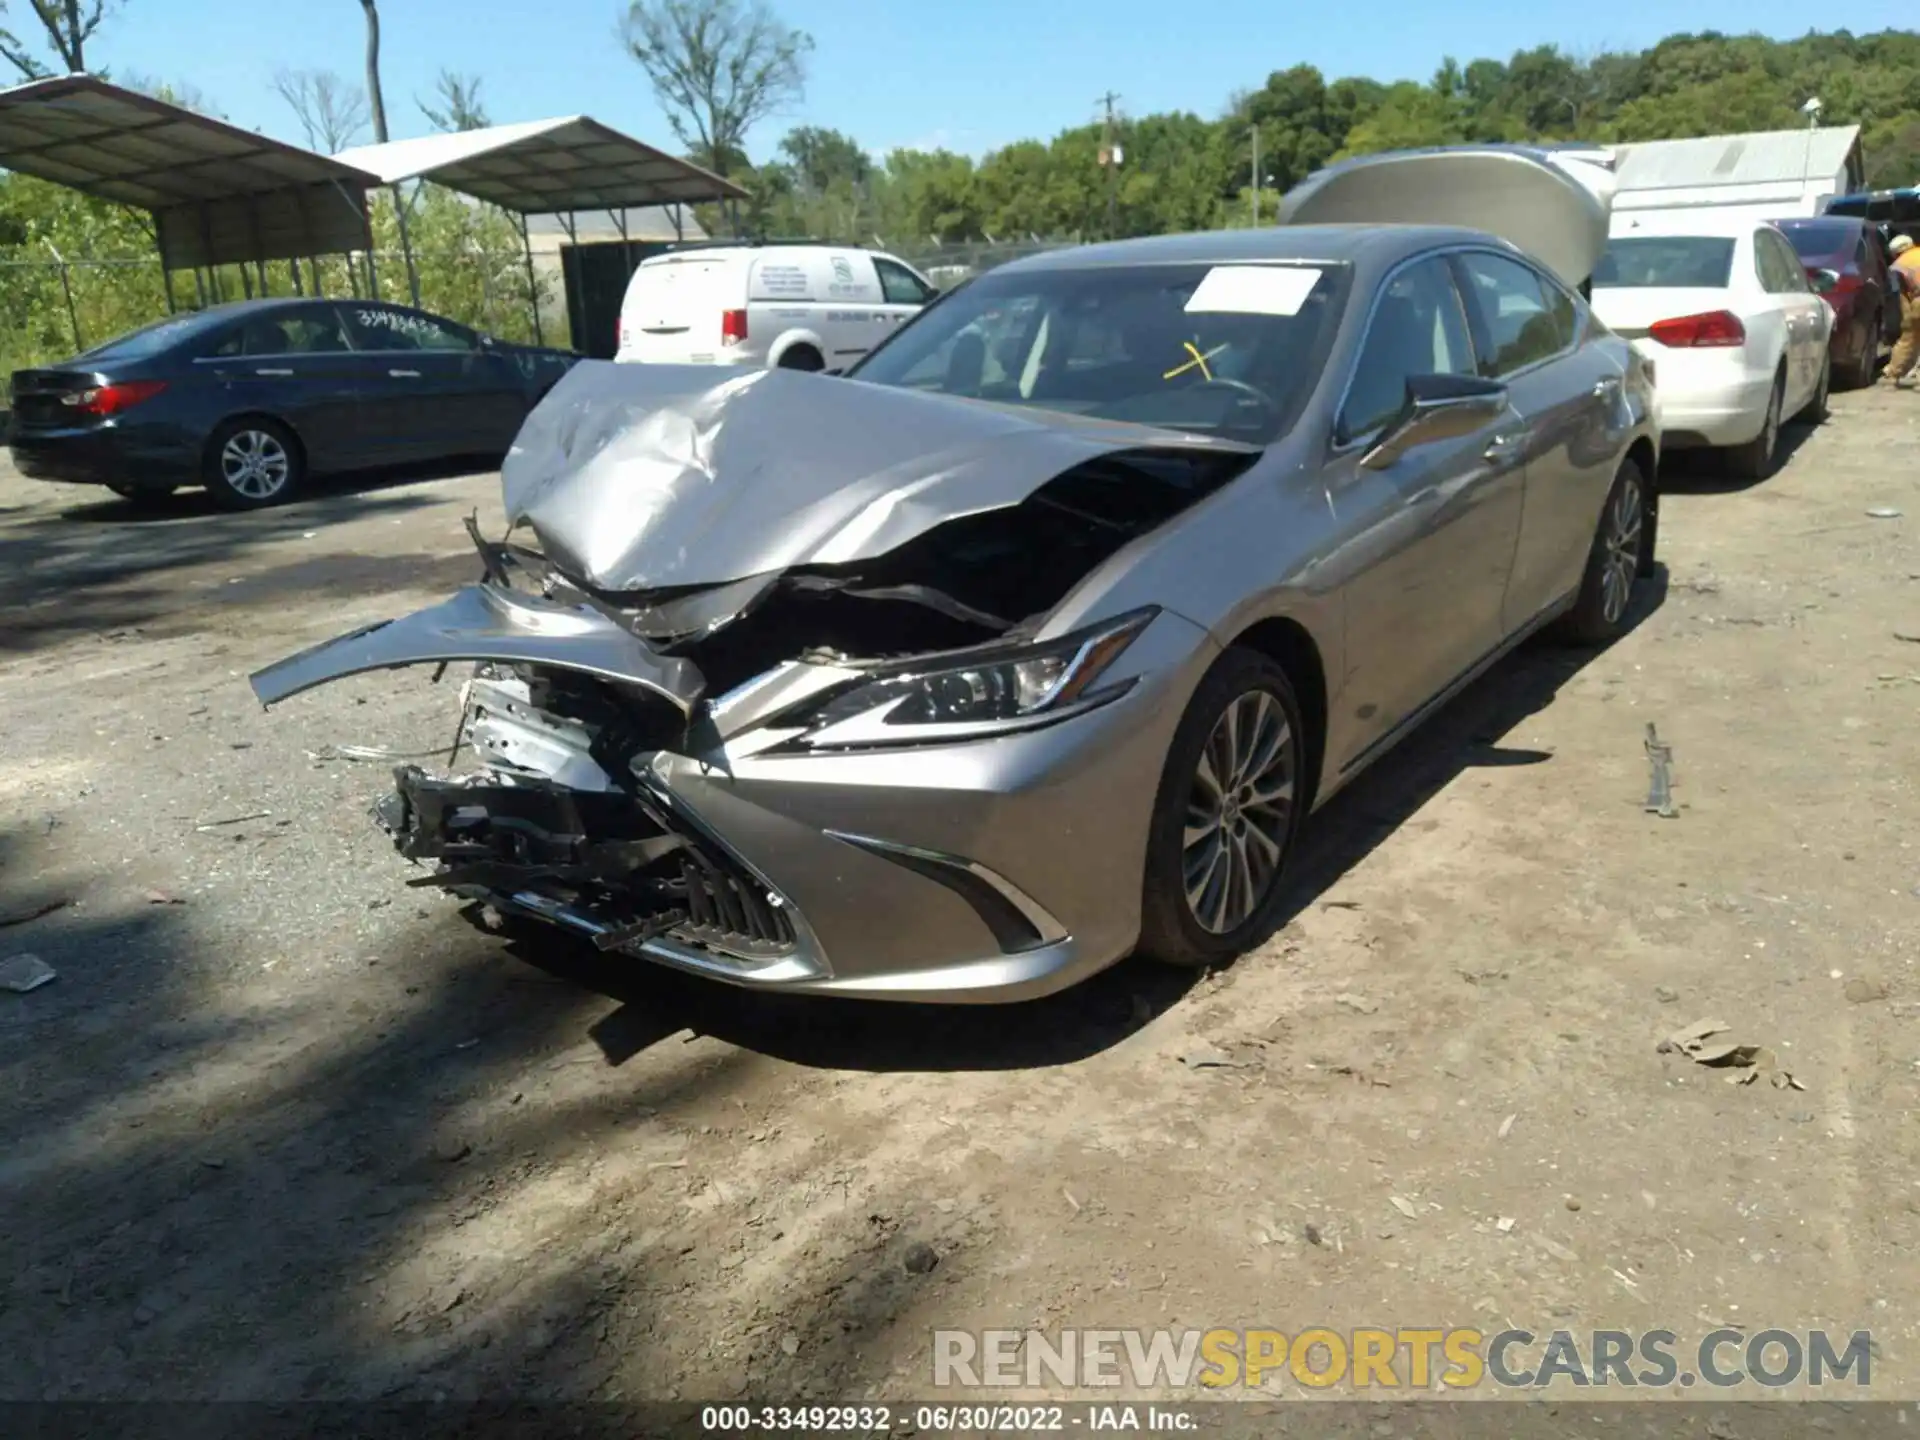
616,801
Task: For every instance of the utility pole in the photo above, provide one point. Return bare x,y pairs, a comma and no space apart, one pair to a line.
1110,158
1256,175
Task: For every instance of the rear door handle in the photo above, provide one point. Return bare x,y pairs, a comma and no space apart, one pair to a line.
404,374
1503,446
273,372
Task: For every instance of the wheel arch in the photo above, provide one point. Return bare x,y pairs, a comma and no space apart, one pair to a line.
1291,645
796,339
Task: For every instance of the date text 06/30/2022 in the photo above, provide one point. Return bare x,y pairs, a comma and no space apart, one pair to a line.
938,1419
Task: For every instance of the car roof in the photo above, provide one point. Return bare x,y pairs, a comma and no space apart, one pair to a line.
1326,244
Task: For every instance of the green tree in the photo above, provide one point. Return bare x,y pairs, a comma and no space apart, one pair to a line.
717,67
66,26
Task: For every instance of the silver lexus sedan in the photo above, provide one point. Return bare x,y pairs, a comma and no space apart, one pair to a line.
1033,640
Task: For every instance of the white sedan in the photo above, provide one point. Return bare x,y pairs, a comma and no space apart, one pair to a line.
1722,308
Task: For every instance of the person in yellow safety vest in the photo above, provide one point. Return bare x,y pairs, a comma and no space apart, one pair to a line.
1906,273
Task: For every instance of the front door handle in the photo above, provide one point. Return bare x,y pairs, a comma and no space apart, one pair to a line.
1607,388
1504,446
404,374
273,372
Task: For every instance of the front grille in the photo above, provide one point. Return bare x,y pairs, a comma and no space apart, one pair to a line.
729,910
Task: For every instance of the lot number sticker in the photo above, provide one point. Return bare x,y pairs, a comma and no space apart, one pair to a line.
1253,290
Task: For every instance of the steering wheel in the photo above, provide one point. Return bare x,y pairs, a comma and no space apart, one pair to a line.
1240,387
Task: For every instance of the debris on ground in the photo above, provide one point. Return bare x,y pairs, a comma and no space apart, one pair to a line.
1504,1224
1666,995
1572,1203
1211,1057
1864,990
1359,1004
452,1151
1312,1232
1698,1044
1912,637
1506,1126
235,820
32,912
1405,1206
920,1258
1660,786
1883,512
161,897
23,972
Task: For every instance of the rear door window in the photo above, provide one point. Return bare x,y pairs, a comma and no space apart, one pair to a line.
1518,324
313,331
388,328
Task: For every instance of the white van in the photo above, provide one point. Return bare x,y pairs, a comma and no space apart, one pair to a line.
802,307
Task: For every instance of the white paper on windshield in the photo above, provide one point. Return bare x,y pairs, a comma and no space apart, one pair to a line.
1254,290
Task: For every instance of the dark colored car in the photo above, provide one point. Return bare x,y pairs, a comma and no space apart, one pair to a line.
1889,210
254,398
1846,263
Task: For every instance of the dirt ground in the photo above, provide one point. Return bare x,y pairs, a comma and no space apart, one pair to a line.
283,1128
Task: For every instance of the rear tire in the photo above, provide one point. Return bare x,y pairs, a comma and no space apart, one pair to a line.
1755,459
1857,374
1816,410
1226,815
802,357
252,463
1620,554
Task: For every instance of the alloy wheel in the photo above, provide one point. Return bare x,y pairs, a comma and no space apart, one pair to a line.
1625,516
255,464
1239,809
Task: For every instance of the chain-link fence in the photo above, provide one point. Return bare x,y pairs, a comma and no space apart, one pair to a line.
948,265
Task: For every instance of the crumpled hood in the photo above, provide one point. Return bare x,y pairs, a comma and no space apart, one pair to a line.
644,477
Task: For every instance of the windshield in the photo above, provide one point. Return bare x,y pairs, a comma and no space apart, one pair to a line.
1821,238
1691,262
1229,350
150,340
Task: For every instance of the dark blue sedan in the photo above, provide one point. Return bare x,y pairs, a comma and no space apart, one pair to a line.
252,399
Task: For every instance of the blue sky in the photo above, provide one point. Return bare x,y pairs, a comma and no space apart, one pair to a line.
967,74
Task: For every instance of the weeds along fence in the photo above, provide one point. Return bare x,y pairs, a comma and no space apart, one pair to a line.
52,309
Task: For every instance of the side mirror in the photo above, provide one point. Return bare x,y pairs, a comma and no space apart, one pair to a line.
1438,407
1823,281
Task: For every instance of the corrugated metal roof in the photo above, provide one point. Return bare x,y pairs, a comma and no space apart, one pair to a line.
219,194
644,222
544,167
1764,157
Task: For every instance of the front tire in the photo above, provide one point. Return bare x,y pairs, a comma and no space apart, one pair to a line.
1858,373
252,463
1225,818
1620,554
1755,459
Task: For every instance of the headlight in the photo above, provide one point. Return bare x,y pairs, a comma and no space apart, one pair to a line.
995,691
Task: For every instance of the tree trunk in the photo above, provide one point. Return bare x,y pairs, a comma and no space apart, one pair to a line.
374,100
76,61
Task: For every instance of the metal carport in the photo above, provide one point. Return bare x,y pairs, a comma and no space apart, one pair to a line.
218,195
547,167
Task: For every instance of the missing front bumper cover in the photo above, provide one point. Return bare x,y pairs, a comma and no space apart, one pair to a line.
611,860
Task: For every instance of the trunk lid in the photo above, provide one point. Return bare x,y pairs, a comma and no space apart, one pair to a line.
1552,202
38,395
